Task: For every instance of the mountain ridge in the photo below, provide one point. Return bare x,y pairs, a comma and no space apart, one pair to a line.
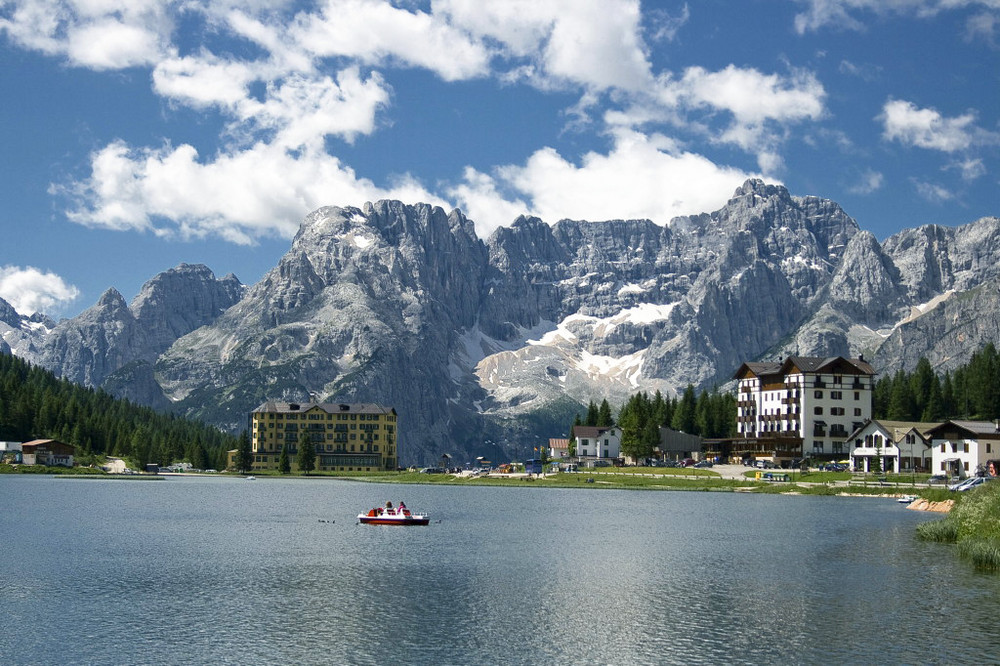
482,344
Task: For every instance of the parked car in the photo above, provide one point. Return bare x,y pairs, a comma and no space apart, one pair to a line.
687,462
968,484
703,464
938,478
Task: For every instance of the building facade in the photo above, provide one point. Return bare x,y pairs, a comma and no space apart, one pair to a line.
346,437
801,407
50,452
892,446
597,443
959,448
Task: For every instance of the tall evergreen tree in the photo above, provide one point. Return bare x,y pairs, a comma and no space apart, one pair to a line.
244,455
592,414
604,416
306,457
684,418
901,403
284,464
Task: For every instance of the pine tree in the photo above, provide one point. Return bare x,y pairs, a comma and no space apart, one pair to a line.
684,415
306,457
284,465
592,414
244,455
604,417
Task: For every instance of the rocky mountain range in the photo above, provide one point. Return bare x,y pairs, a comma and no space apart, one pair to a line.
490,347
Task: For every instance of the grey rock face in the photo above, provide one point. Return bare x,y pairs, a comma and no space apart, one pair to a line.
91,346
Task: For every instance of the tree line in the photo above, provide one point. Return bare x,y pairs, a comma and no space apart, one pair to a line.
971,391
35,404
707,414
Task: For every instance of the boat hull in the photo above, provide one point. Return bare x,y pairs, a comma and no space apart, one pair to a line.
393,520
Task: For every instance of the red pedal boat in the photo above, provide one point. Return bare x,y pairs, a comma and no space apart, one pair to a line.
388,515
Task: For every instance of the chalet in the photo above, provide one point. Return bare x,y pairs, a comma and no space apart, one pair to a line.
964,448
49,452
892,446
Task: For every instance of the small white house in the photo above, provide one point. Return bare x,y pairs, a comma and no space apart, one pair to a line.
598,443
960,447
900,446
558,448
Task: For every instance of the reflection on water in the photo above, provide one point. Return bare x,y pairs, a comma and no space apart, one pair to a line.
277,571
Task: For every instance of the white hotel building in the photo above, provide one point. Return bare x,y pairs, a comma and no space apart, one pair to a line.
801,407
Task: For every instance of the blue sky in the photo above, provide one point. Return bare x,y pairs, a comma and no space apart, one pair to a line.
139,134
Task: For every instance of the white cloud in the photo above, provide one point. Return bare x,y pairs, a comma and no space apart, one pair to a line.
31,290
760,107
870,181
239,196
664,26
373,32
753,97
98,34
932,192
983,26
593,43
477,195
926,128
970,169
844,14
642,177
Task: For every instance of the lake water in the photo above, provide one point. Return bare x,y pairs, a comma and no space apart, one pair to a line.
276,571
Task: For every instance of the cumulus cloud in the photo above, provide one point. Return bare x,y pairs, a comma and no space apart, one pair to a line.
372,32
31,290
94,34
760,107
240,196
642,177
594,43
926,128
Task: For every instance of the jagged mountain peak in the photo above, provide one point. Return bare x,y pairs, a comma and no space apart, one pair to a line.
111,299
8,315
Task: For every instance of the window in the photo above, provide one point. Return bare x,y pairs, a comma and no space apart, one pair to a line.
818,410
818,395
836,395
965,449
857,395
857,411
942,451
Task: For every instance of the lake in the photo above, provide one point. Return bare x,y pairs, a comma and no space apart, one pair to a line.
277,571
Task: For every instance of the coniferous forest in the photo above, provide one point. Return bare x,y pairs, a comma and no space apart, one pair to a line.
35,404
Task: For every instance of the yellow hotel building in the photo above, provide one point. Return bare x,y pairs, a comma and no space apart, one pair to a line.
348,438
